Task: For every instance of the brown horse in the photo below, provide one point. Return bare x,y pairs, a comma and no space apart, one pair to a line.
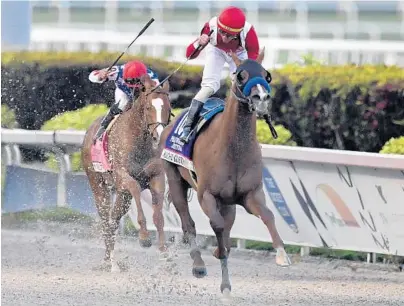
228,165
132,147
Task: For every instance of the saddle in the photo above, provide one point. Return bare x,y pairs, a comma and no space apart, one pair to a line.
180,153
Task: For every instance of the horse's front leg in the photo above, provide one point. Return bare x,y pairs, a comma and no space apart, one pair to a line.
210,207
229,215
102,202
255,204
157,189
121,207
126,182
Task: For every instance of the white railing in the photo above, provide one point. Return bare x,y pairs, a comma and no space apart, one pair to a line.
172,47
350,200
75,139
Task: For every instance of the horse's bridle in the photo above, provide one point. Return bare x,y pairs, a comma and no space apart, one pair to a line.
243,99
240,95
247,101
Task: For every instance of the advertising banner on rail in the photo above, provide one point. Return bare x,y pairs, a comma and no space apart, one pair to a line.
318,205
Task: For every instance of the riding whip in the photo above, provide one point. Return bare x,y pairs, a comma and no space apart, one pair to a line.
127,48
188,58
267,119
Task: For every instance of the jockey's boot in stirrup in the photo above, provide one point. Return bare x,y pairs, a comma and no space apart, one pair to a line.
193,114
113,111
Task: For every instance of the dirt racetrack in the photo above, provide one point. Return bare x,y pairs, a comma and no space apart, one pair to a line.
41,267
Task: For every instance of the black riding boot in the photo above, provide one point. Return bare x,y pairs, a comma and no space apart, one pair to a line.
193,114
113,111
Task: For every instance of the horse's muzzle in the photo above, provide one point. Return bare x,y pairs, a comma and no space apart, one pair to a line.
261,103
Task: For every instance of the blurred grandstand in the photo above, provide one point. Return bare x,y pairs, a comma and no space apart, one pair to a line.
370,20
335,32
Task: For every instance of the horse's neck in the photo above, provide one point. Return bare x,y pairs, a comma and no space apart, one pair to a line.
137,116
137,112
238,129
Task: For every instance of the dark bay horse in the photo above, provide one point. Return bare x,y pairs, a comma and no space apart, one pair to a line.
132,147
228,165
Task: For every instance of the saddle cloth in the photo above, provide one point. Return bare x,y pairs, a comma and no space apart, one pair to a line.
99,151
180,153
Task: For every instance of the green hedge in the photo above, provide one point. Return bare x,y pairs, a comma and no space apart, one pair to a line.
82,119
8,118
337,107
345,107
73,120
394,146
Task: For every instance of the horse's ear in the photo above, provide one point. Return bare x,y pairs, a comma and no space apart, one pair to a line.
146,80
261,56
166,86
235,58
143,78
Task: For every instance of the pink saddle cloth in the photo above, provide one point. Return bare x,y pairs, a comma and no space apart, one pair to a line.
99,154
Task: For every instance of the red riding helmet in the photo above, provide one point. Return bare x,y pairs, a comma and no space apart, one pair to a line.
231,20
132,71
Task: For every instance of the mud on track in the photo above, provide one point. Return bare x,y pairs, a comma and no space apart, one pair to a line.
45,268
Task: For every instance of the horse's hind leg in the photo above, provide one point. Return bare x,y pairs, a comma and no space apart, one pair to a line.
255,204
210,208
178,190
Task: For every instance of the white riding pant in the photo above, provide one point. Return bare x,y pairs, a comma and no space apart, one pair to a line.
212,72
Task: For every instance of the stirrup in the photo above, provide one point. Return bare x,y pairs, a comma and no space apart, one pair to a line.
185,138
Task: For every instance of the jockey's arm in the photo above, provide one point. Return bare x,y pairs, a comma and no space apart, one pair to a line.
252,44
191,48
100,76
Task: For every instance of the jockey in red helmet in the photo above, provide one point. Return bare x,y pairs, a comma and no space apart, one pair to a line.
127,80
231,32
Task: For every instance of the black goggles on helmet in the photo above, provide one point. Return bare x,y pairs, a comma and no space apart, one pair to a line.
132,81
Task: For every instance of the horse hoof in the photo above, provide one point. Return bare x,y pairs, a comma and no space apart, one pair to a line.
145,243
282,258
226,297
115,268
199,272
164,256
225,289
104,266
